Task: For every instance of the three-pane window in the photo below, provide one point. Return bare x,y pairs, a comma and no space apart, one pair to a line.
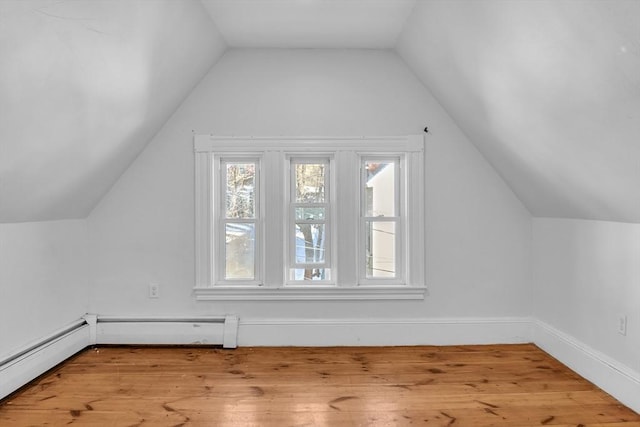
272,215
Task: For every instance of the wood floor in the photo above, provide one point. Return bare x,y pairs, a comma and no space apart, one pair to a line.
474,386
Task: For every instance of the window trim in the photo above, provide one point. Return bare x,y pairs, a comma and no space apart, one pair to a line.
411,148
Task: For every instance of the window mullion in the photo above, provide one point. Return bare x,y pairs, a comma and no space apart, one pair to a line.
273,225
346,220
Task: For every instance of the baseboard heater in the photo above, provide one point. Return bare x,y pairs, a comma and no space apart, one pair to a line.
37,357
210,330
22,366
42,343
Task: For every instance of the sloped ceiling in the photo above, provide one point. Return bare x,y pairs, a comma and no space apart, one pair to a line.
84,85
310,23
549,92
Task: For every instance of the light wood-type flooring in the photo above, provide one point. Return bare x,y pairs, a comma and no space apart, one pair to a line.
467,386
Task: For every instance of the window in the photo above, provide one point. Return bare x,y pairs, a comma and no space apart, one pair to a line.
309,218
381,233
309,229
238,209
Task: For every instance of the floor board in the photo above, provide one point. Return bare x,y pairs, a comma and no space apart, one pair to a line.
474,386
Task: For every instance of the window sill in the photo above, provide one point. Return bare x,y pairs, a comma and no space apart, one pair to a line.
360,293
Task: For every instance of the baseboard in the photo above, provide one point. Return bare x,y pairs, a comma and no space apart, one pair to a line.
38,357
618,380
167,331
38,360
372,332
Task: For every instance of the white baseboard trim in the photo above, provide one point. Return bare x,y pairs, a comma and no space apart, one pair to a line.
167,331
29,365
372,332
618,380
22,366
615,378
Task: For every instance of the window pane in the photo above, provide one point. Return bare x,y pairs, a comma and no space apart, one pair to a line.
380,188
310,213
310,274
380,247
240,251
240,190
310,243
310,182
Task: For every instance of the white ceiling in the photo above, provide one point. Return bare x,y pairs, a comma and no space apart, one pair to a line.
84,85
548,90
310,23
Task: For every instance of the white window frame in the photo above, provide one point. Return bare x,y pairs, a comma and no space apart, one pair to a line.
398,219
346,221
220,221
329,204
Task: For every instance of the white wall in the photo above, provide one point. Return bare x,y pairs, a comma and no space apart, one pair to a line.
587,273
479,234
43,279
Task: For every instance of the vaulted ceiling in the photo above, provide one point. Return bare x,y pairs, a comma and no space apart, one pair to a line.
84,86
372,24
548,91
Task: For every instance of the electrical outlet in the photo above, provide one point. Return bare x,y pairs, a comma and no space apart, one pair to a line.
154,290
622,324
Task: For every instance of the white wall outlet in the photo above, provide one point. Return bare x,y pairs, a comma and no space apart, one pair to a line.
154,290
622,324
